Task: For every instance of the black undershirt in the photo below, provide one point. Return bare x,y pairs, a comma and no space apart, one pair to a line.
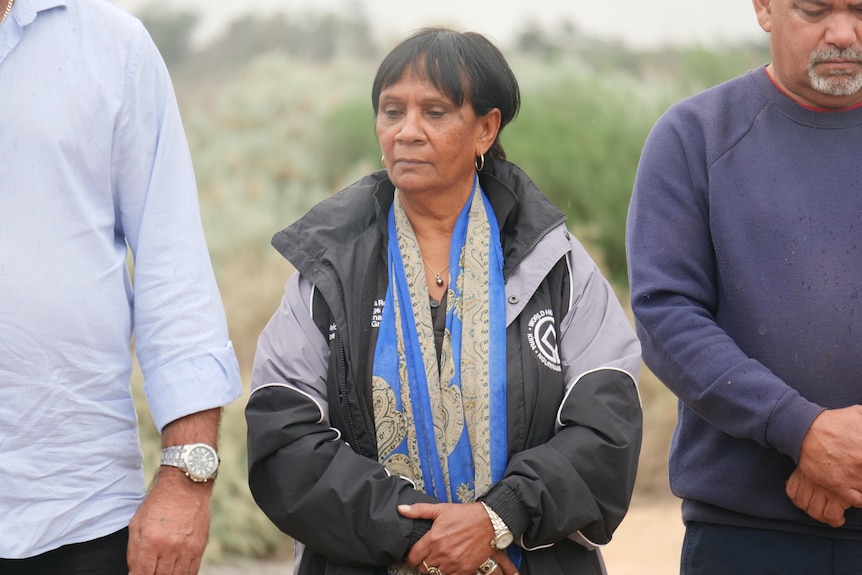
438,320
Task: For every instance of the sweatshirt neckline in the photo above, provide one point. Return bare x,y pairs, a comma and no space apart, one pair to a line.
801,114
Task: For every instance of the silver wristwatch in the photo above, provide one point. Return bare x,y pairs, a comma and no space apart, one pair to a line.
198,460
502,534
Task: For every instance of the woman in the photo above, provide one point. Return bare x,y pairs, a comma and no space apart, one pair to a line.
448,385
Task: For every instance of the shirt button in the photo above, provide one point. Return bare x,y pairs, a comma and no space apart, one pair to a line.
513,299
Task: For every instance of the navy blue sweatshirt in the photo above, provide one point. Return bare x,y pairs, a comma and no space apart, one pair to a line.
745,258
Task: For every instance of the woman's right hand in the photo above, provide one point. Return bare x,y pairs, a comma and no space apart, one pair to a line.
458,541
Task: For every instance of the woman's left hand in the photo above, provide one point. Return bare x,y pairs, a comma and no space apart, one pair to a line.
459,539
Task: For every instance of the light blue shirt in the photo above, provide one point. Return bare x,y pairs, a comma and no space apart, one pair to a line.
92,157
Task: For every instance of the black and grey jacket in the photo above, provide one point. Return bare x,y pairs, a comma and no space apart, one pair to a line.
574,413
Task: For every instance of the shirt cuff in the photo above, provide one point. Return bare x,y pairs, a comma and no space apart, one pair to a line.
192,384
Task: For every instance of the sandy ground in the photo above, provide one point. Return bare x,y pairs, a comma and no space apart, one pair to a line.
649,540
647,543
249,568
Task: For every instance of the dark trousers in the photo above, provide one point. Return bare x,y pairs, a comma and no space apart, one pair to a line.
710,549
103,556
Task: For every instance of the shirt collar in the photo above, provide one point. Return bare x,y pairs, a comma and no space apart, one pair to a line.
28,9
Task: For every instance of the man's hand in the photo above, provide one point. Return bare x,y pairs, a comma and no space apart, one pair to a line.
818,502
168,534
459,540
831,456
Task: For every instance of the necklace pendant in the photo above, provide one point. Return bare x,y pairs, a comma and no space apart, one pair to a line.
438,279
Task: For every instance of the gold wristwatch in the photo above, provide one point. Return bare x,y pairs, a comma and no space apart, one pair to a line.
502,534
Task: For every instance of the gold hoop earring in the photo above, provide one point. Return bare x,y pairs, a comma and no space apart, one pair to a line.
383,160
480,162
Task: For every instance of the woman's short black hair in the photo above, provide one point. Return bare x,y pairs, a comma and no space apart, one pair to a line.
462,65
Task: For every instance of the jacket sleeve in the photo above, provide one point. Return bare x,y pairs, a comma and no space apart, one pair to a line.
579,483
304,477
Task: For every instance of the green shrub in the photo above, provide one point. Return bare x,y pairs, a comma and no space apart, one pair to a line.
579,136
260,147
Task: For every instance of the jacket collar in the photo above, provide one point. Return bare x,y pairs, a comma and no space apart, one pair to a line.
502,197
318,239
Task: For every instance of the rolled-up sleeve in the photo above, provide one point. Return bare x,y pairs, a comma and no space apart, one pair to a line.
180,330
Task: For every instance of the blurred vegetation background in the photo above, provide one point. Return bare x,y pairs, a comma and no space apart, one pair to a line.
278,115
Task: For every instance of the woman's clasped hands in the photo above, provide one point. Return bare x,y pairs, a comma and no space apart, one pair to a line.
458,542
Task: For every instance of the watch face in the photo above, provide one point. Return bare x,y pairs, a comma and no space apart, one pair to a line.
201,462
504,540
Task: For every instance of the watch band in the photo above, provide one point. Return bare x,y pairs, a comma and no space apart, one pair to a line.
173,456
500,527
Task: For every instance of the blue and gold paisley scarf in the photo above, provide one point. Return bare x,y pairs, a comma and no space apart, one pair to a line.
444,428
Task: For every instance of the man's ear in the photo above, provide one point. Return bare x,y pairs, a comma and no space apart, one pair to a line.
763,9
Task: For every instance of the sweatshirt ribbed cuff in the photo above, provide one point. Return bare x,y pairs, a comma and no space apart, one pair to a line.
789,422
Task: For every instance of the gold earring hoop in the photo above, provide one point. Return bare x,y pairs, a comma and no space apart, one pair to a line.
480,162
383,160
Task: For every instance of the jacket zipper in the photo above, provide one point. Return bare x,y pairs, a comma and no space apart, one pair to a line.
348,416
